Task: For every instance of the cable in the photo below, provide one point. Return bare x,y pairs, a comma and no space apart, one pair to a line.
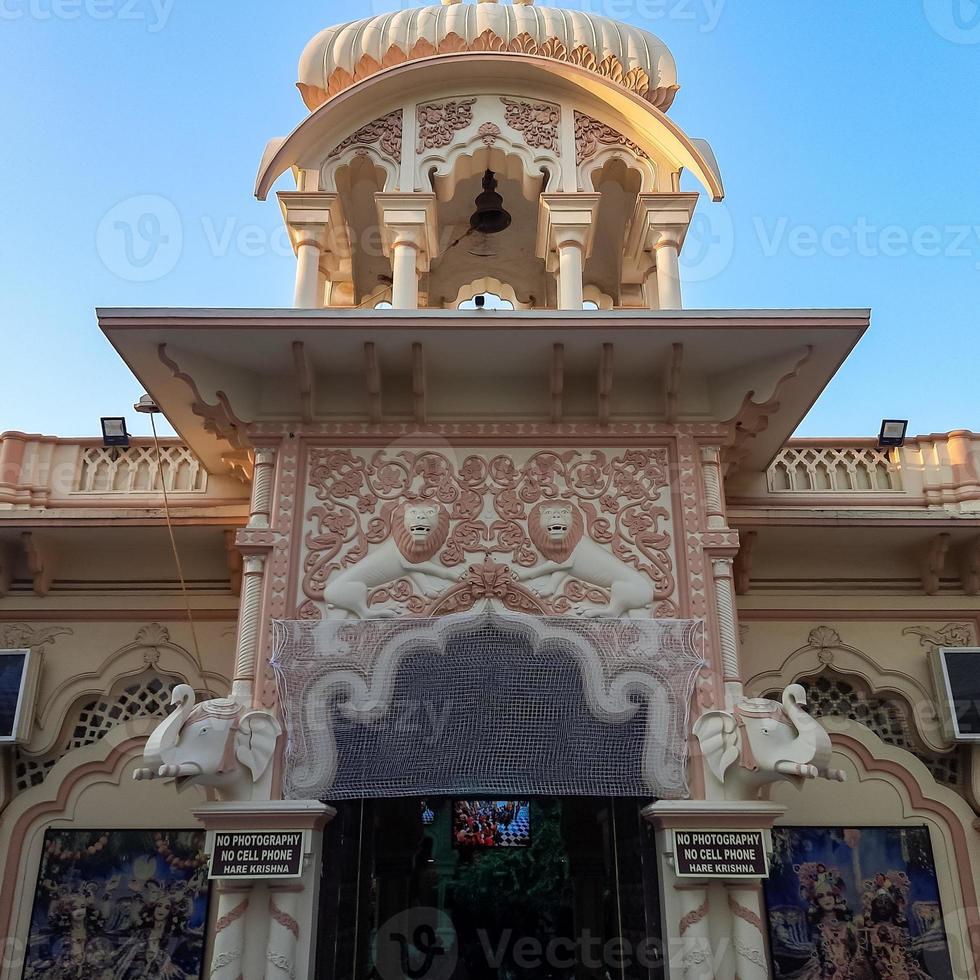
173,545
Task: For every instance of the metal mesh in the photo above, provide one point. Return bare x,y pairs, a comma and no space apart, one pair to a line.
486,702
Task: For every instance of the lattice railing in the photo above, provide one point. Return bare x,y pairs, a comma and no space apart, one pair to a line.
829,696
135,470
830,469
147,696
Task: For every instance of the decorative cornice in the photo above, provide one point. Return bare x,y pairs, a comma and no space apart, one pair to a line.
633,79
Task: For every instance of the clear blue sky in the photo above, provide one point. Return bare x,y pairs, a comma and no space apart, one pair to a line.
848,133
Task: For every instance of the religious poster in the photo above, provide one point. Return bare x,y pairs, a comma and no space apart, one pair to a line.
123,904
855,904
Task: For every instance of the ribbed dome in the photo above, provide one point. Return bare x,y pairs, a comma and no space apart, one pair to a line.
339,56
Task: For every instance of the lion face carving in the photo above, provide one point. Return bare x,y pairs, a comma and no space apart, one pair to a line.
420,530
555,529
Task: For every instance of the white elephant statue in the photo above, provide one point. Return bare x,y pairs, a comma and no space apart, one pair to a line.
216,743
762,741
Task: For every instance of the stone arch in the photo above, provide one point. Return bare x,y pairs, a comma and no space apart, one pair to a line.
152,649
824,647
887,785
536,172
489,284
337,172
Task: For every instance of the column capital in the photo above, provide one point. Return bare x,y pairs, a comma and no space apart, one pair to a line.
409,218
312,217
658,220
565,219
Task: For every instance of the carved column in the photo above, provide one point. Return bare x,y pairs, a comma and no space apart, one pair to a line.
711,478
283,933
263,472
228,954
566,230
654,240
668,273
287,947
744,903
249,619
409,236
722,571
404,275
697,961
314,221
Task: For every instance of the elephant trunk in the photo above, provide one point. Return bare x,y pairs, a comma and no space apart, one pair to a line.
165,736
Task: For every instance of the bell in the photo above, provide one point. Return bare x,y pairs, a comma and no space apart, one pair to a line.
489,216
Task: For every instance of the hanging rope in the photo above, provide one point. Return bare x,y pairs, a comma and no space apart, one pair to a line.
173,546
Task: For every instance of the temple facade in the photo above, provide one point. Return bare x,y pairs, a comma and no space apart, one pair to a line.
485,620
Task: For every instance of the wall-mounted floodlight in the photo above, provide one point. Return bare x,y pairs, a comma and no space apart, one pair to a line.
892,434
114,433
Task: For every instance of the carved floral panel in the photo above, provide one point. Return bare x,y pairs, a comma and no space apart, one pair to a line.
586,532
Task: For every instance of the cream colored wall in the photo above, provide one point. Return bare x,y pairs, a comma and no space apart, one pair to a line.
888,786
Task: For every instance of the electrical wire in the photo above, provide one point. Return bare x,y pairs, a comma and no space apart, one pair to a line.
173,545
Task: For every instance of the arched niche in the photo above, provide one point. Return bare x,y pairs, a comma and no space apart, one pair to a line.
489,284
888,786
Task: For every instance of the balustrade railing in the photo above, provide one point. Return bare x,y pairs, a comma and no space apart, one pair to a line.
833,469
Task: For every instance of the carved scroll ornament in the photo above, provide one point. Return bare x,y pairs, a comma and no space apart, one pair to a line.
386,132
584,532
591,135
438,122
537,122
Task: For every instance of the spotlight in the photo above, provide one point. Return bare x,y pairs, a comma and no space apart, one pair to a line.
892,434
114,434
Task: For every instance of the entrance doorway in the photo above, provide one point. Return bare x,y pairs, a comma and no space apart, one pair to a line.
465,889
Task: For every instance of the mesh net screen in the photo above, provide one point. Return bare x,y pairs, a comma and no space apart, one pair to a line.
486,702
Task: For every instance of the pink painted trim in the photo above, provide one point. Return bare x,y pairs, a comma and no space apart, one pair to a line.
920,801
112,766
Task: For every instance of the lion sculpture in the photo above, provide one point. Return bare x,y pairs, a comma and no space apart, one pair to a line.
418,531
558,532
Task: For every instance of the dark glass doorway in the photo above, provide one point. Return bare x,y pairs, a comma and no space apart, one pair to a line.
550,888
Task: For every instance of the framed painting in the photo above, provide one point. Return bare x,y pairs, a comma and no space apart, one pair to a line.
855,903
121,904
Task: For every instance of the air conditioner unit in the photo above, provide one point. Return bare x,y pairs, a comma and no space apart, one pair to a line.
19,674
956,672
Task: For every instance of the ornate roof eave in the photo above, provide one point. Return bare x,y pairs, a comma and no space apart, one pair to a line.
341,110
634,79
750,376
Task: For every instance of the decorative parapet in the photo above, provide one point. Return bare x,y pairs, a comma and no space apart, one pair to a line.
45,471
939,471
135,470
832,469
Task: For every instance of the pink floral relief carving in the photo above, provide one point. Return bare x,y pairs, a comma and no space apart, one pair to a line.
438,122
386,132
537,122
622,500
591,135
